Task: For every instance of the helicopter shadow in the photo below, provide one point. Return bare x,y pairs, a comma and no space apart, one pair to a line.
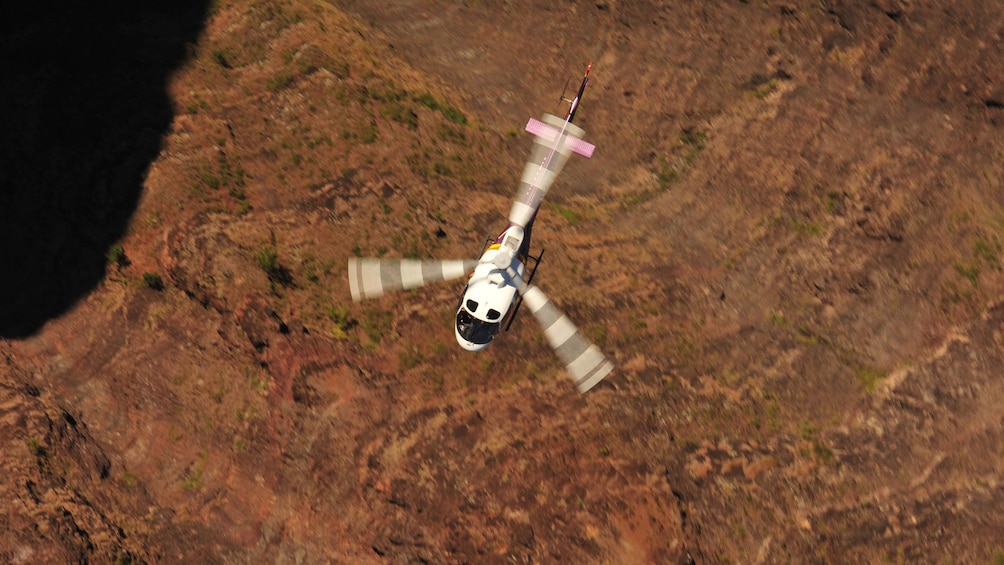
83,112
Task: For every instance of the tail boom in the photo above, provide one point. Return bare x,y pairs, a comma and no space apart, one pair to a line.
555,140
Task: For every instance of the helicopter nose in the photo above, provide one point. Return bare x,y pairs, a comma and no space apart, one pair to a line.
468,345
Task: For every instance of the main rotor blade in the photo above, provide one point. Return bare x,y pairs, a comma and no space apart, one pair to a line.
585,362
369,278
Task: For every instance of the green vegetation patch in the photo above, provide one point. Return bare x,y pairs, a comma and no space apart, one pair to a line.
817,449
116,256
449,112
804,228
342,321
690,144
369,133
764,90
400,112
808,228
279,82
987,251
410,357
225,173
570,215
268,259
970,272
869,378
129,480
375,323
399,106
249,42
153,281
222,59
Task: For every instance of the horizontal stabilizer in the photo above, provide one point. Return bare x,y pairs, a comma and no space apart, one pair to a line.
550,133
548,156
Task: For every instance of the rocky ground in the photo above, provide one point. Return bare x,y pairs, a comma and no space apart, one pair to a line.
788,241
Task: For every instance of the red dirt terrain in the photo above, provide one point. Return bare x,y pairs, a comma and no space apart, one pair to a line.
788,241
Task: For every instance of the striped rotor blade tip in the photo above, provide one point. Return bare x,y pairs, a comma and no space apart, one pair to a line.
585,362
369,278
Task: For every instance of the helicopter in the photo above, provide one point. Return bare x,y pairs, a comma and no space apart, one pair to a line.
499,282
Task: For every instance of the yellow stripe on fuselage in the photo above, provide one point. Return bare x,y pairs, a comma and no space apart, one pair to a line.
521,258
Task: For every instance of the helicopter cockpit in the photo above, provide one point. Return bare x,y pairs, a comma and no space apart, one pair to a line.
474,333
490,294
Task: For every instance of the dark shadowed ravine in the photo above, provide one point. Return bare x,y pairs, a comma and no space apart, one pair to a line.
84,110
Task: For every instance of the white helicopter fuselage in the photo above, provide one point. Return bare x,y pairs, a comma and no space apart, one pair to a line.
493,289
491,292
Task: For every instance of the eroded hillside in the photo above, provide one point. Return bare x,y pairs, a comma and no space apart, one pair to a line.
788,240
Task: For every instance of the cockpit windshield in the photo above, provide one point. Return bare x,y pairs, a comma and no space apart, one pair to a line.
475,330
